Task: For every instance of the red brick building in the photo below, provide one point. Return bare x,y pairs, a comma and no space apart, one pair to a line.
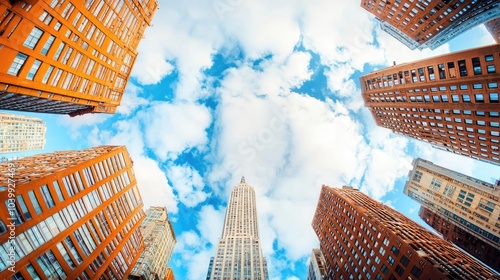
69,57
364,239
429,24
493,27
449,101
74,215
463,239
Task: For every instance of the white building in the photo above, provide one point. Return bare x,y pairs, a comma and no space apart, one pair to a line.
20,133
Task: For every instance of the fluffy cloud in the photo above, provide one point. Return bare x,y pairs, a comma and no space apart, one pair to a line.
171,128
188,184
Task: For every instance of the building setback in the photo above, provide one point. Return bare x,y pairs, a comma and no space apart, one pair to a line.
238,254
470,205
449,101
365,239
316,266
493,27
462,238
69,57
429,24
76,215
21,133
159,242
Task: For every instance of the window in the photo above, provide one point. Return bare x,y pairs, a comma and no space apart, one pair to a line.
464,87
33,38
390,260
488,57
47,196
491,69
395,250
479,97
384,269
454,98
466,98
17,64
34,202
58,191
381,250
23,206
399,270
416,271
47,45
462,68
47,74
493,97
59,50
33,70
476,65
405,261
492,85
50,266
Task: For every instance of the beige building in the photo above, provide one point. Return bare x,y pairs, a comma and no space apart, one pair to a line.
466,202
317,268
238,254
21,133
159,242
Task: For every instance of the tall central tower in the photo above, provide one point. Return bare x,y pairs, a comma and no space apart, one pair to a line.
238,254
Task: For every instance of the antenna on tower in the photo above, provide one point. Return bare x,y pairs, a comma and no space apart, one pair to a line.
243,180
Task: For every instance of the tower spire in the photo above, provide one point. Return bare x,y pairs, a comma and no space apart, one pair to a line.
243,180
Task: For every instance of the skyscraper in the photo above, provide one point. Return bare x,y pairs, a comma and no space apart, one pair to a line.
493,27
317,266
429,24
69,57
170,275
462,238
21,133
72,214
450,101
364,239
468,204
238,254
159,242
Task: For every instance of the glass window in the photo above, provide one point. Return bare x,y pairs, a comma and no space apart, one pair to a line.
32,272
65,255
466,98
58,190
47,196
488,57
416,271
491,69
479,97
405,261
444,98
454,98
462,68
50,266
476,64
492,85
34,202
47,74
23,206
34,69
16,65
493,97
59,50
47,45
33,38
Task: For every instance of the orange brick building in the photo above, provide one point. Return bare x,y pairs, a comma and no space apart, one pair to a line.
493,27
69,57
450,101
170,275
364,239
429,24
72,214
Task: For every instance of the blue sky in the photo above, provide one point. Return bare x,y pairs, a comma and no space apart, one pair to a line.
227,88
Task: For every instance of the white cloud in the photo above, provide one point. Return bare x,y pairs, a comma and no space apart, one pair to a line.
188,184
171,128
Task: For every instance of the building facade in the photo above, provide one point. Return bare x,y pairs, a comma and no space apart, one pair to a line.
159,242
72,215
469,204
170,275
449,101
426,24
364,239
21,133
462,238
238,254
69,57
316,266
493,27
